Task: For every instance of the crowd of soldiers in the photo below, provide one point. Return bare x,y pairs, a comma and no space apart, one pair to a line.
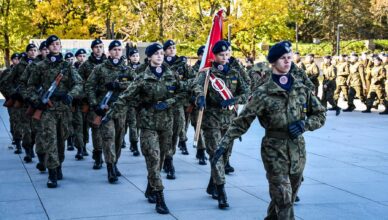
53,99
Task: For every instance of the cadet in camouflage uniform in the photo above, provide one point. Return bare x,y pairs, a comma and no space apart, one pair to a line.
342,76
111,76
329,72
96,57
356,82
286,108
219,113
298,61
43,50
55,119
160,92
312,71
13,83
376,90
69,57
259,75
183,72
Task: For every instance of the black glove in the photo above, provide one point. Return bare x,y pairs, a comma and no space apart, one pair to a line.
161,106
296,128
99,111
112,86
201,102
219,152
67,99
228,102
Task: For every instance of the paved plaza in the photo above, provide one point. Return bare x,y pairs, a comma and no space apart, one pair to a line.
346,177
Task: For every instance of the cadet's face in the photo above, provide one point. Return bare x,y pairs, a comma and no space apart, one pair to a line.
116,52
353,59
376,62
135,58
309,58
326,61
44,52
81,58
333,62
296,57
283,64
200,57
55,47
32,53
98,50
15,61
222,57
363,56
341,59
157,58
385,59
170,51
70,60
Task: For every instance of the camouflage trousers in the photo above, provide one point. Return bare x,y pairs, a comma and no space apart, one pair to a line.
112,138
154,147
17,129
178,126
96,132
338,90
131,124
11,121
39,138
375,92
212,136
328,95
183,133
23,127
201,141
55,131
284,161
355,91
78,127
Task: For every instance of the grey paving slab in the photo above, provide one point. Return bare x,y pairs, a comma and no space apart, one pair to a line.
29,209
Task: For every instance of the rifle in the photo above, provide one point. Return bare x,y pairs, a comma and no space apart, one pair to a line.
47,95
103,105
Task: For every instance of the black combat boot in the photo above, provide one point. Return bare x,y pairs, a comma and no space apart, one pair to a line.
297,199
166,165
149,194
70,144
337,111
18,146
59,172
134,148
368,109
171,169
52,179
97,160
350,108
41,164
85,151
79,155
161,207
117,170
228,168
123,144
27,158
385,112
211,189
184,148
32,153
111,173
222,200
201,157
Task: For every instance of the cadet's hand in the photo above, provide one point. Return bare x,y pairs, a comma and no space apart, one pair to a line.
99,111
219,152
105,119
161,106
112,86
228,102
296,128
67,99
201,102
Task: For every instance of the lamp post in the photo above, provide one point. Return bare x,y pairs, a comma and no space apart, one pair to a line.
296,36
338,38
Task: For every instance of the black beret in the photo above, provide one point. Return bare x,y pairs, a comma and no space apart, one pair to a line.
96,42
377,58
30,46
327,57
200,50
297,53
69,55
43,45
167,44
24,55
15,55
80,51
278,50
113,44
151,49
354,54
220,46
344,55
51,39
310,55
133,51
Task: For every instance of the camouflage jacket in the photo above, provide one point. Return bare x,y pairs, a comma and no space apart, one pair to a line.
107,72
134,66
152,90
234,64
45,72
88,66
378,76
342,73
214,115
259,74
312,72
300,65
12,82
356,75
4,76
329,73
196,66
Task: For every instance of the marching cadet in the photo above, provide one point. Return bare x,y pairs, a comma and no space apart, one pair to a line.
96,57
329,72
111,77
356,82
376,90
220,111
342,76
312,71
298,61
179,66
43,50
197,64
69,57
80,57
160,92
385,63
54,119
286,108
